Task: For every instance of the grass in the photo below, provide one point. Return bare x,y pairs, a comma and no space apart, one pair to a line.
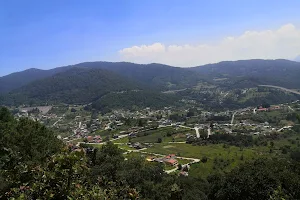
220,158
95,145
77,140
190,151
252,94
125,147
232,154
183,161
121,140
169,167
153,135
105,133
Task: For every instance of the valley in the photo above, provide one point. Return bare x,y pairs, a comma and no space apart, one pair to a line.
182,125
190,133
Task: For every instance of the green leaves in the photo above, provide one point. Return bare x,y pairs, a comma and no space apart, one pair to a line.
258,180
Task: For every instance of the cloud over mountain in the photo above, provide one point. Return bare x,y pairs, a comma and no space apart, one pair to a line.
297,58
283,42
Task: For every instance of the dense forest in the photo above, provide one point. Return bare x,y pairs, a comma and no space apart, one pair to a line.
273,72
34,164
135,99
99,83
76,85
157,75
270,72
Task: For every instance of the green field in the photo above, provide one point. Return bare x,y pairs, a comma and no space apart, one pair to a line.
220,158
231,155
190,151
125,147
121,140
153,135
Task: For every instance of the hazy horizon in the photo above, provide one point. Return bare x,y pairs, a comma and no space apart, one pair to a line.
138,63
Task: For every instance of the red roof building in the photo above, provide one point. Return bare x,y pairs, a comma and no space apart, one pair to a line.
262,109
172,162
90,138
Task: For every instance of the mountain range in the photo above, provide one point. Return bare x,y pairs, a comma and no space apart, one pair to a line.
279,72
103,82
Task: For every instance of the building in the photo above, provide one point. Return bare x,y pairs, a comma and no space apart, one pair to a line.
262,109
183,173
172,162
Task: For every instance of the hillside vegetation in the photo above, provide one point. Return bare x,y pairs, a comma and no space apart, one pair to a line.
77,85
271,72
231,84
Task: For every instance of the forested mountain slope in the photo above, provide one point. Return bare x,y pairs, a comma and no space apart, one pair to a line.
157,75
19,79
280,72
77,85
104,89
163,77
98,82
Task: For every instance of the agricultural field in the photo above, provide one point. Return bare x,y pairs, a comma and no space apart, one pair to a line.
124,140
222,158
217,156
165,134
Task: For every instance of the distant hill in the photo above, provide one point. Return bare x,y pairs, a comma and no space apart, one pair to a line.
101,88
76,85
19,79
113,85
283,73
136,99
162,76
157,75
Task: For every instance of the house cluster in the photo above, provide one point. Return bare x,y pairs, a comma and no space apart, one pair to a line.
94,139
260,108
36,113
168,160
138,145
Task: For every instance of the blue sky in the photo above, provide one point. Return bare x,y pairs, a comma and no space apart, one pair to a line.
47,34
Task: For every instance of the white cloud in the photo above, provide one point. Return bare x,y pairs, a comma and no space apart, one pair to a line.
268,44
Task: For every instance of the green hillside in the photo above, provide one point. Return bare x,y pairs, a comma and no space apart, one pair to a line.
77,85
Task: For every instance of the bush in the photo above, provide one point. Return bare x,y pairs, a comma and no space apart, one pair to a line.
159,140
179,167
204,159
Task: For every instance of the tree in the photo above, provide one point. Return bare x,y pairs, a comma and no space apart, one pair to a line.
67,176
108,161
204,159
203,134
190,113
185,168
193,188
141,123
106,139
266,105
295,155
179,167
128,122
242,157
5,115
23,143
257,179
